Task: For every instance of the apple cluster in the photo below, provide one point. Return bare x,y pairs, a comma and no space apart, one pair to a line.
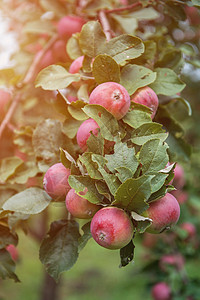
111,226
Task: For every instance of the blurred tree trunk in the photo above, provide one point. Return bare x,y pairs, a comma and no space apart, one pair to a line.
50,289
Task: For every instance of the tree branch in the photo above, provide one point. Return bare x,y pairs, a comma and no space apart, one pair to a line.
105,24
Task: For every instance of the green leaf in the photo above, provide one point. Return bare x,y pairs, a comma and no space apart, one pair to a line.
55,77
196,2
59,249
124,173
148,132
103,189
127,254
92,39
134,77
39,26
187,105
79,183
157,181
108,124
110,179
123,48
64,160
167,82
122,157
85,237
7,237
142,222
7,266
95,144
153,156
70,127
73,47
24,172
47,140
133,194
139,115
175,10
128,24
161,193
30,201
105,69
91,167
8,166
76,111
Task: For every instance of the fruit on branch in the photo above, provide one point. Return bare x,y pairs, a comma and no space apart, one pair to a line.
164,212
146,96
84,132
189,228
180,195
55,181
161,291
80,207
5,98
59,51
113,96
175,260
68,25
76,65
179,180
13,252
112,228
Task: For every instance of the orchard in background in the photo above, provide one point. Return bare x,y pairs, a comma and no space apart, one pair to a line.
93,116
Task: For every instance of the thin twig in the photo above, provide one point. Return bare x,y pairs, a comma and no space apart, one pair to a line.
105,24
120,9
9,114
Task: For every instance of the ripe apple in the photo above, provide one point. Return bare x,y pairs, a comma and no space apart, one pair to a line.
76,65
55,181
13,252
69,25
80,207
84,132
112,228
146,96
179,179
113,96
164,212
176,260
161,291
189,228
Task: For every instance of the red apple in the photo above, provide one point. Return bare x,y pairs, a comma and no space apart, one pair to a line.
76,65
176,260
146,96
80,207
113,96
84,132
189,228
164,212
56,181
112,228
13,252
69,25
161,291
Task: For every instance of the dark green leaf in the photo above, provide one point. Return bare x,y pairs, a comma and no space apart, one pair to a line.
59,249
7,237
95,143
133,194
134,77
153,156
148,132
105,69
90,165
7,266
85,237
79,183
109,127
142,222
167,82
124,173
92,39
127,254
122,157
139,115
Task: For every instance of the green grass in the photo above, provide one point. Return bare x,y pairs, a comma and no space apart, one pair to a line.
95,276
